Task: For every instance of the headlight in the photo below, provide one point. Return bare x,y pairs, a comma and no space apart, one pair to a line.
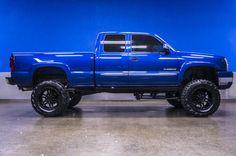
226,64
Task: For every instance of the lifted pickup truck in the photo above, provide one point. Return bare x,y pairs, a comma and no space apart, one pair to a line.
123,62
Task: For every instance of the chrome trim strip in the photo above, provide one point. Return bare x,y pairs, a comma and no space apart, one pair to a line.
153,74
114,74
111,57
115,42
138,73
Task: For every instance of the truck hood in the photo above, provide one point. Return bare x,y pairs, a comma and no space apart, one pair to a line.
218,61
198,55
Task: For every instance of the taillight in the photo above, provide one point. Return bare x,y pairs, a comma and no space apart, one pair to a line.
12,63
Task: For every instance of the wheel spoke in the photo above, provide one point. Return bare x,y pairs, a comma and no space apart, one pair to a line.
49,99
44,102
201,100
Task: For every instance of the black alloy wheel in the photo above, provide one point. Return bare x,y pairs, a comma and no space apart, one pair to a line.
49,99
202,100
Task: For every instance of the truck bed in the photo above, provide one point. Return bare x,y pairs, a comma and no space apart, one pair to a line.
78,66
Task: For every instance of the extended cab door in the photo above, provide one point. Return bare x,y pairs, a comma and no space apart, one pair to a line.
112,61
149,65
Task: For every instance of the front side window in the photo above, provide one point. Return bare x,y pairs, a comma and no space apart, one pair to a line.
146,43
114,43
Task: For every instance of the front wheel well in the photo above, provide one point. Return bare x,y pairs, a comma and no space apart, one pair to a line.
201,72
49,73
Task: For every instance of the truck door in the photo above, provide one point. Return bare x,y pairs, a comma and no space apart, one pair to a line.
112,61
149,65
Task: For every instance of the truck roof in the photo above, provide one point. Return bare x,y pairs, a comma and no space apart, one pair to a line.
119,32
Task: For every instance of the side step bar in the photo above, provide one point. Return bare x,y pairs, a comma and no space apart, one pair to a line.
140,96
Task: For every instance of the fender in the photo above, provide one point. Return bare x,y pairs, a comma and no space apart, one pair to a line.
189,64
62,66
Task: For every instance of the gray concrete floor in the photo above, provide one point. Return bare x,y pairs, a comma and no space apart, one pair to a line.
116,128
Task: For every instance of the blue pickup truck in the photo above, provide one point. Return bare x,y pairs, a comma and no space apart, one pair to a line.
123,62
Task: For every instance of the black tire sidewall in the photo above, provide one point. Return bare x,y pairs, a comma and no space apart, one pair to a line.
74,100
174,102
62,93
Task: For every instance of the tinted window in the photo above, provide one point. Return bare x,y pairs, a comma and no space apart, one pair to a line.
146,43
114,43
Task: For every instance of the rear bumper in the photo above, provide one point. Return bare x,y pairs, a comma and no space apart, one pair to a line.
225,79
10,80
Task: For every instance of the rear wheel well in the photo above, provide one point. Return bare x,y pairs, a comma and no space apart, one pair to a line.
194,73
49,73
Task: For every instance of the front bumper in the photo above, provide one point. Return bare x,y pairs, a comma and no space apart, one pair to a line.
10,80
225,79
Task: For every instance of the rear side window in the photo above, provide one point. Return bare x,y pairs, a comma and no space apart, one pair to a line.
146,43
114,43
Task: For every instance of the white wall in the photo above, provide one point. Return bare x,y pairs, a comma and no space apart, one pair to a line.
12,92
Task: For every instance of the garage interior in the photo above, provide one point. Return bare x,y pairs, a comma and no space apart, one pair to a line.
107,124
146,127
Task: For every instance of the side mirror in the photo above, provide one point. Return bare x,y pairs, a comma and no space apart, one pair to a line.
166,49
